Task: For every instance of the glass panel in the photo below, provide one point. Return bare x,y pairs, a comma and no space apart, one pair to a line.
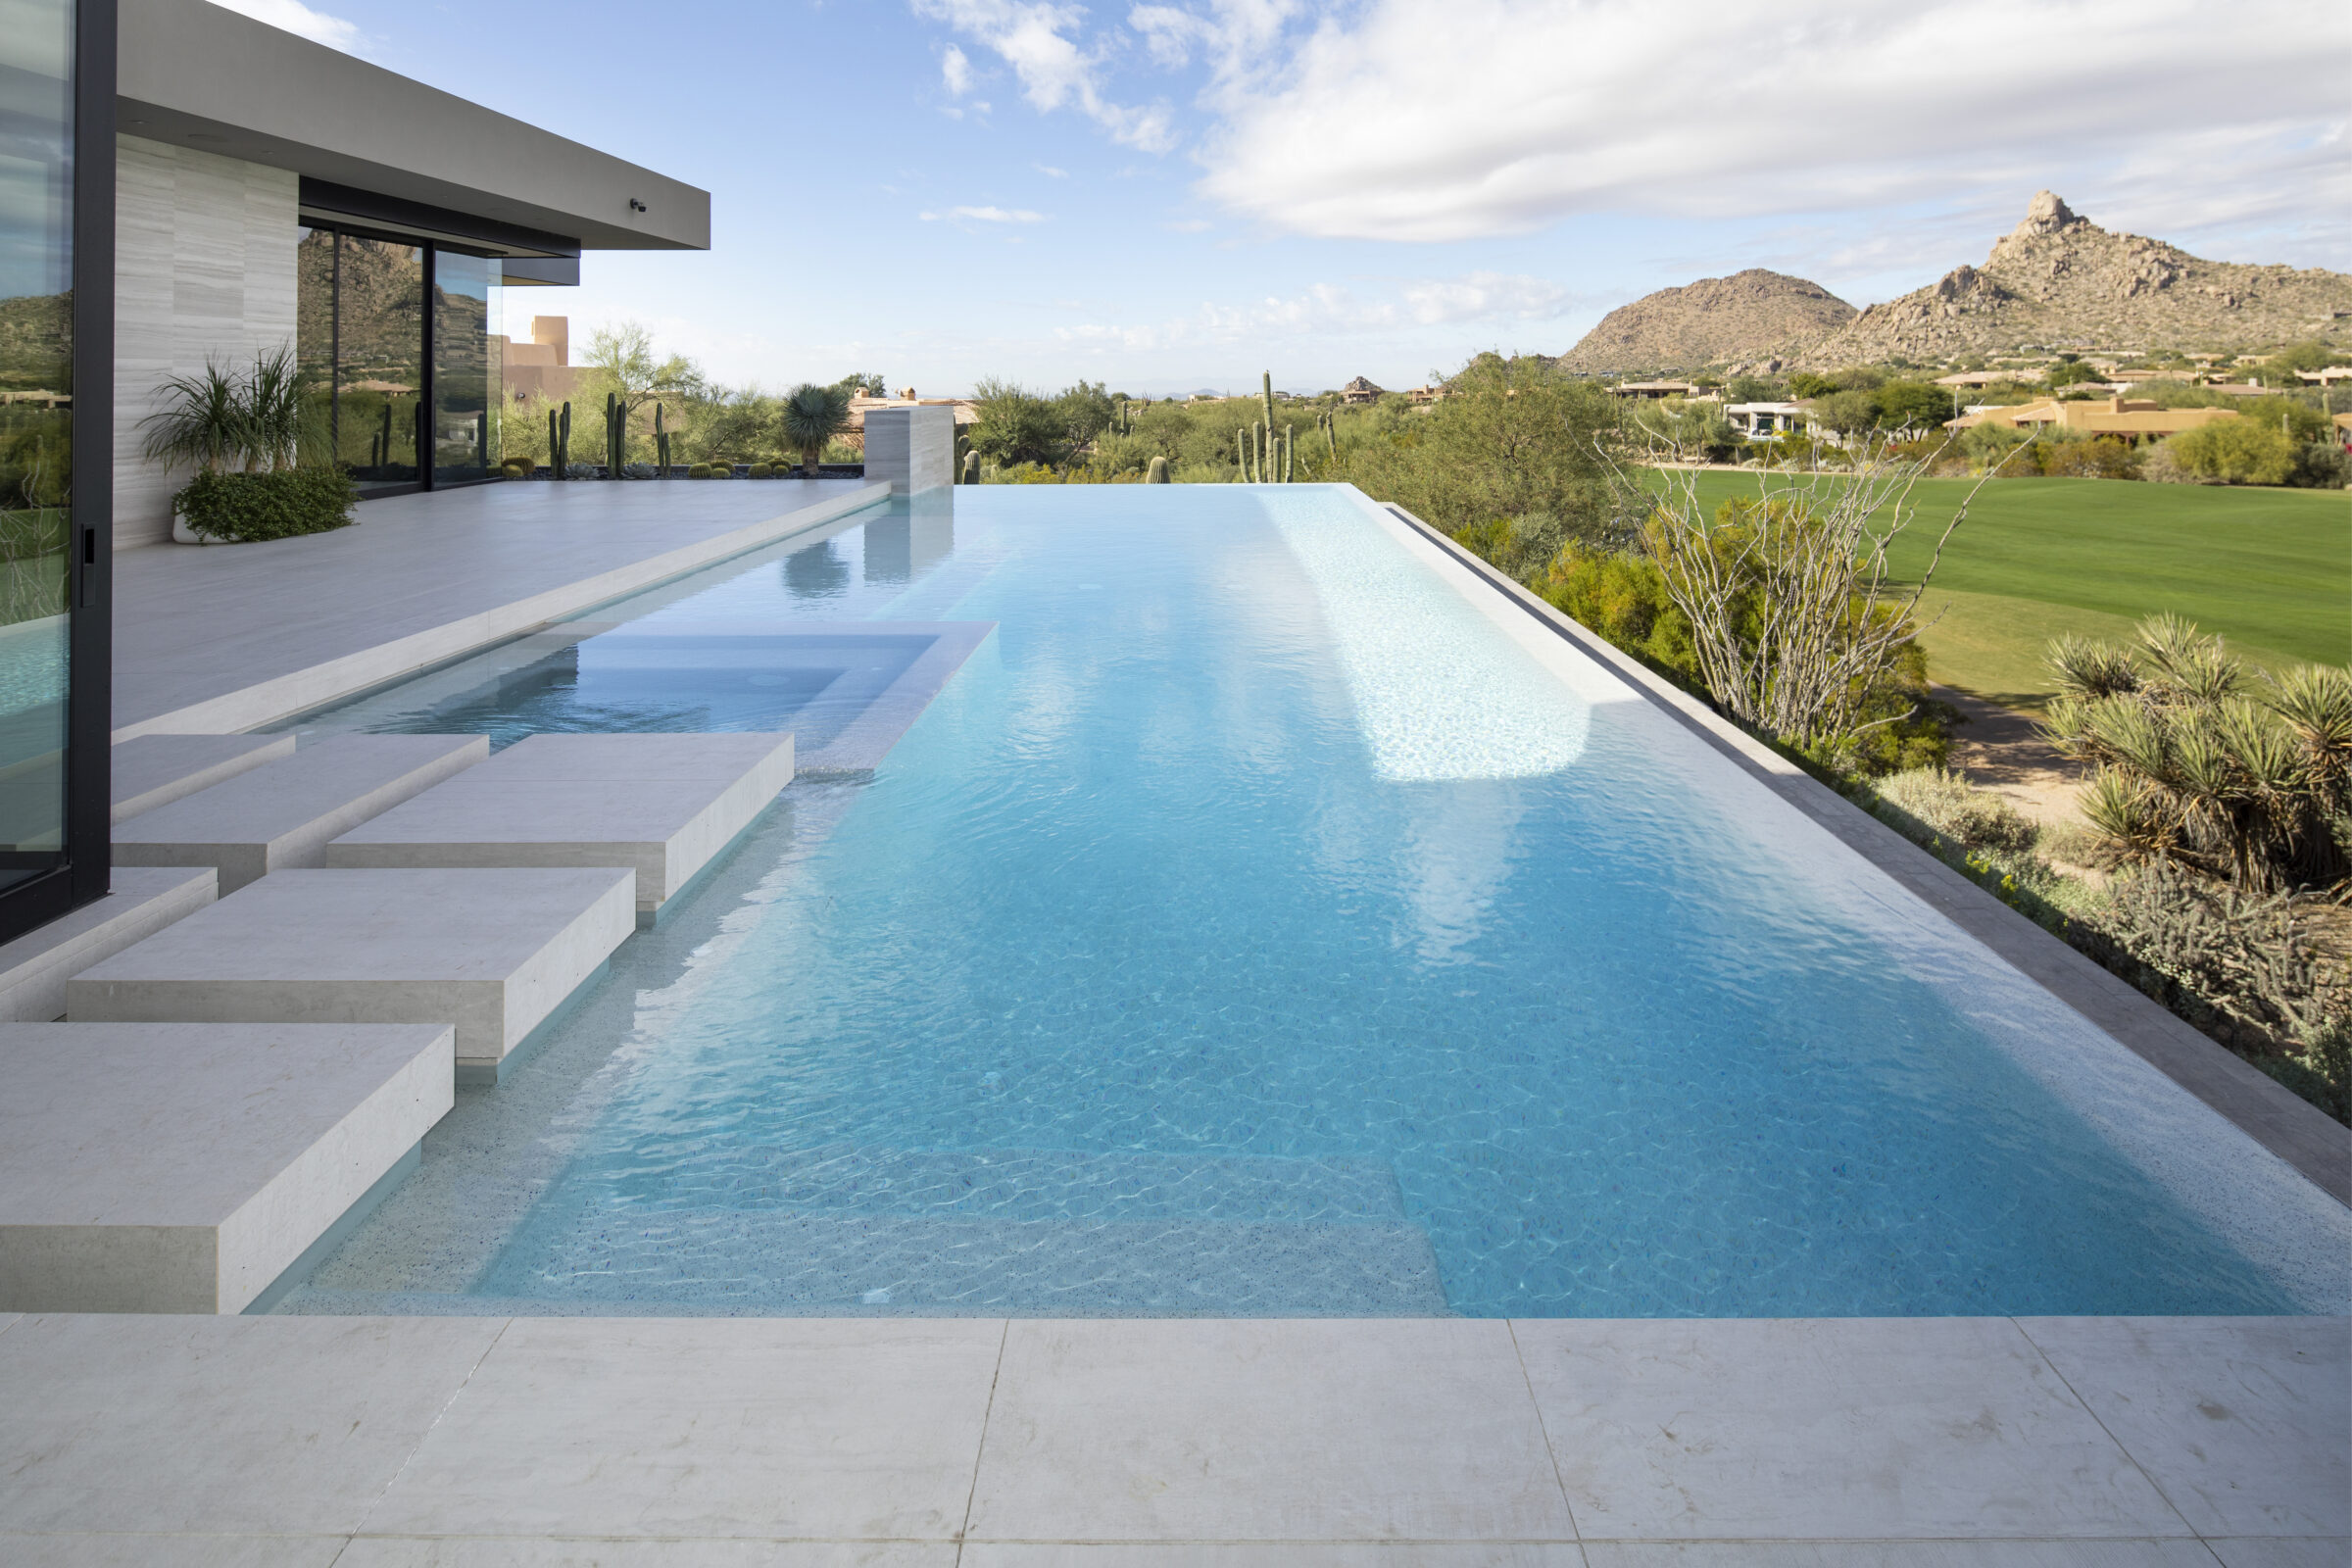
315,337
464,441
37,427
379,360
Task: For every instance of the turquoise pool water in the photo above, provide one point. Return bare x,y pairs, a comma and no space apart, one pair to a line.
1257,925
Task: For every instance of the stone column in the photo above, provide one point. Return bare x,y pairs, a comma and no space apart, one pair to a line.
913,447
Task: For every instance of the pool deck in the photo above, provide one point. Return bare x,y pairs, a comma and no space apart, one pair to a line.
219,637
1950,1443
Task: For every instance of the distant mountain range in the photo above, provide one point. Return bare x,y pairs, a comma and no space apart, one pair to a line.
2057,281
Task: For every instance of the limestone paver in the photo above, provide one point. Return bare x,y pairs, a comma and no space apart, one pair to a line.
2244,1423
492,953
230,639
1266,1431
217,1425
2282,1551
2150,1554
283,813
156,770
1287,1555
1802,1429
827,1430
664,805
377,1551
169,1552
184,1168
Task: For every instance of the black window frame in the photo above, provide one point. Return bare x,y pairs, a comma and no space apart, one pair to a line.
84,875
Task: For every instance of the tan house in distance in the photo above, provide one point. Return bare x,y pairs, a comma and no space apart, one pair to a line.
542,367
2128,420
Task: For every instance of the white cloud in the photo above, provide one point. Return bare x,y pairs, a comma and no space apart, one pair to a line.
1444,119
292,16
1050,172
986,215
1037,40
956,69
1486,297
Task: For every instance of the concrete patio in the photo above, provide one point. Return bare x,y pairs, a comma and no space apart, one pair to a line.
230,637
540,1440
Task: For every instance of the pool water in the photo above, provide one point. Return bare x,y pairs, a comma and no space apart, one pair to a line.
1256,924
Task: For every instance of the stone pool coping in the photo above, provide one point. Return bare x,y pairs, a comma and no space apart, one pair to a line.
2282,1121
237,636
1931,1443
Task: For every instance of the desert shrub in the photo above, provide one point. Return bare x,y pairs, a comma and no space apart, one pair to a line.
1946,802
2100,457
2235,451
579,471
640,471
2320,466
2239,967
272,503
1513,438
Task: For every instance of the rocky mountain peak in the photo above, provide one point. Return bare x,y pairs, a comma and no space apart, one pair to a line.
2046,213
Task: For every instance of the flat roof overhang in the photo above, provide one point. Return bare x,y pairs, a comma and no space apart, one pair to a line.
196,76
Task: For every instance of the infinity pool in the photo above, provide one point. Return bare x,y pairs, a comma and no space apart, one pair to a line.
1261,923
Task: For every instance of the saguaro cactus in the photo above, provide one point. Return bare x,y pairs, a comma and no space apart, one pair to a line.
563,443
1158,474
660,443
971,468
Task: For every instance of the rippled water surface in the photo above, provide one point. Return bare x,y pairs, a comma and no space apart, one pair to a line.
1254,925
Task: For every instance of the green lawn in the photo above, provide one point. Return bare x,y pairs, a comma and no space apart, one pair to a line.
2268,569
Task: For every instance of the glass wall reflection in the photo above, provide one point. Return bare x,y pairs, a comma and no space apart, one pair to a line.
379,360
464,380
399,351
37,427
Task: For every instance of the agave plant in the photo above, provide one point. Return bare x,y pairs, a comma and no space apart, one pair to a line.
2190,769
813,415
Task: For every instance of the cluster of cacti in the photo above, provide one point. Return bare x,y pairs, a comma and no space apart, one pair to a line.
559,443
1328,423
379,445
660,444
1265,456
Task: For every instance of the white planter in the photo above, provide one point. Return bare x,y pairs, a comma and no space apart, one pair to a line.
182,534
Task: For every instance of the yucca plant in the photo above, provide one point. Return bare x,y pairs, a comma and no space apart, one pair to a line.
812,416
276,411
2189,769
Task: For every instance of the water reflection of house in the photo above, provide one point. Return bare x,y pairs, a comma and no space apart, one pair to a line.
2128,420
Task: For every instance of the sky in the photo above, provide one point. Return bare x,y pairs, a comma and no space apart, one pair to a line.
1173,197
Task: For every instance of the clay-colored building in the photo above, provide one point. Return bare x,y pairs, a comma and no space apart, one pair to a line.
2128,420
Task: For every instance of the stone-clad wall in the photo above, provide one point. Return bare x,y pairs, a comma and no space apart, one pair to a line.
913,447
204,264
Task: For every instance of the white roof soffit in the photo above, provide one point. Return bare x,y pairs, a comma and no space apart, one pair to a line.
200,76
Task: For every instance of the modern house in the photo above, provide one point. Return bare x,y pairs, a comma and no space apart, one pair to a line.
1655,391
185,185
1761,421
1360,390
2128,420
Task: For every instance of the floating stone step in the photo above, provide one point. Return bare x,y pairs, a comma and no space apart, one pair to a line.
152,771
494,953
35,968
185,1167
283,813
664,805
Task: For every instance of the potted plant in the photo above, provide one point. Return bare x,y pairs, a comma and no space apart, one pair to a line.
243,433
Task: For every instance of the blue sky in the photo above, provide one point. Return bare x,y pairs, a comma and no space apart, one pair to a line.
1171,196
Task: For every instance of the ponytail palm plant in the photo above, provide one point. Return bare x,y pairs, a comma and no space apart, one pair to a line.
813,415
217,418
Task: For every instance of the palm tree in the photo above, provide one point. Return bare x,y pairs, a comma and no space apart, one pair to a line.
813,415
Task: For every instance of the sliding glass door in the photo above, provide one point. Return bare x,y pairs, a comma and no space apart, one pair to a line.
397,343
55,345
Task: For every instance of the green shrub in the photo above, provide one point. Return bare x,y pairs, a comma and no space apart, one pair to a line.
1945,802
280,504
2235,452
